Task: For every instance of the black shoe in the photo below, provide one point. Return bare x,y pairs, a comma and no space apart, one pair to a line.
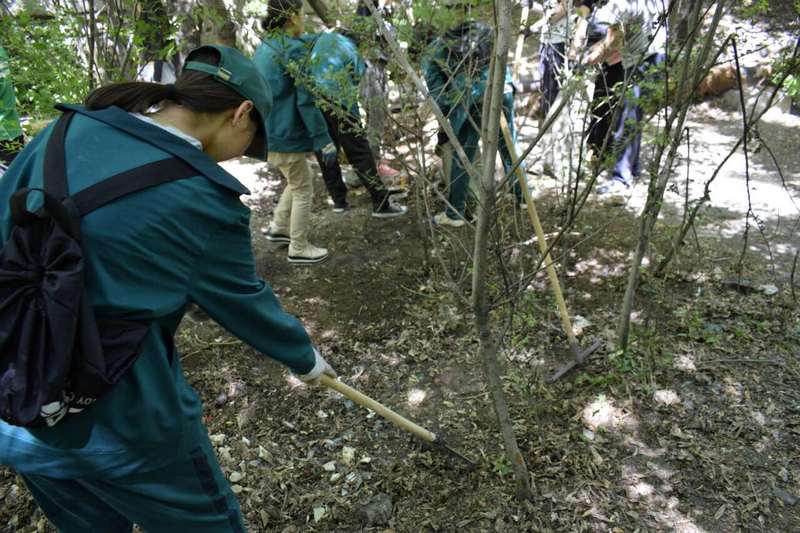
341,208
278,238
389,210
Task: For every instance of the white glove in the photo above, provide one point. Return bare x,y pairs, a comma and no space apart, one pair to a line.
321,366
329,154
329,149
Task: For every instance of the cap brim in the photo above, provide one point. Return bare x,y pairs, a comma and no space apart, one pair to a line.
259,148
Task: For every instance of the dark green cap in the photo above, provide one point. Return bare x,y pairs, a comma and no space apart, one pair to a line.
240,74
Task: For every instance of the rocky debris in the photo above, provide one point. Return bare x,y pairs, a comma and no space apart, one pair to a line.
377,511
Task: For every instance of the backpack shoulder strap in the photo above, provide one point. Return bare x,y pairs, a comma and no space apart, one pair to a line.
55,164
131,181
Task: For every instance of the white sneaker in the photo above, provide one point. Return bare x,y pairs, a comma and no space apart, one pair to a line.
443,220
310,255
276,236
614,186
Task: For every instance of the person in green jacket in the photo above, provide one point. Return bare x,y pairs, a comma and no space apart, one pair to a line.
11,137
296,128
141,454
456,69
334,69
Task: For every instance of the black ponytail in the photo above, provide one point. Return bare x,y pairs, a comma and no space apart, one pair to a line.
193,89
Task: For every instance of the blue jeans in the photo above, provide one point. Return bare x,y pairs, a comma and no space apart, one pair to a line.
189,495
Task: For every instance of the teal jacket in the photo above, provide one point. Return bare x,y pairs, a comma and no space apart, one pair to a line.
295,124
336,68
456,93
147,256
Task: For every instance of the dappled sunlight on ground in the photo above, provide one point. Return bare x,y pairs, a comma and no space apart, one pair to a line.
416,397
603,414
604,263
644,477
685,362
713,132
666,397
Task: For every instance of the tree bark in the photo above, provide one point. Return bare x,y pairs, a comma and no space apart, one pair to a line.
155,30
321,10
492,110
218,28
691,73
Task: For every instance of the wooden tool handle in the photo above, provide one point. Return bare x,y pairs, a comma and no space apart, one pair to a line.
365,401
566,323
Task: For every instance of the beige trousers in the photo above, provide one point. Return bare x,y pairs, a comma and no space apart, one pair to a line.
293,213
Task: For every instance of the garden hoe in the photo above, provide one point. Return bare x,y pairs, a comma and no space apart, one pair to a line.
391,416
579,355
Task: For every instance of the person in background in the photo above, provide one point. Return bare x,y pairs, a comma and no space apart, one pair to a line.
334,71
375,84
456,68
141,453
296,128
556,34
11,136
795,108
633,47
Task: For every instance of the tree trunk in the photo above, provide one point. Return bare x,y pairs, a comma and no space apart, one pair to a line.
189,34
492,110
321,10
218,28
691,74
92,43
155,30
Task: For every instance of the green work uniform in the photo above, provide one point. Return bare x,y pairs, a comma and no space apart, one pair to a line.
336,68
146,257
459,95
295,125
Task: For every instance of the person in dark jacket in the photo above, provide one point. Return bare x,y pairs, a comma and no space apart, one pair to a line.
334,70
296,127
141,454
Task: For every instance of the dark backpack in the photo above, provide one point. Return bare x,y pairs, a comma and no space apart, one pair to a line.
56,356
469,48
